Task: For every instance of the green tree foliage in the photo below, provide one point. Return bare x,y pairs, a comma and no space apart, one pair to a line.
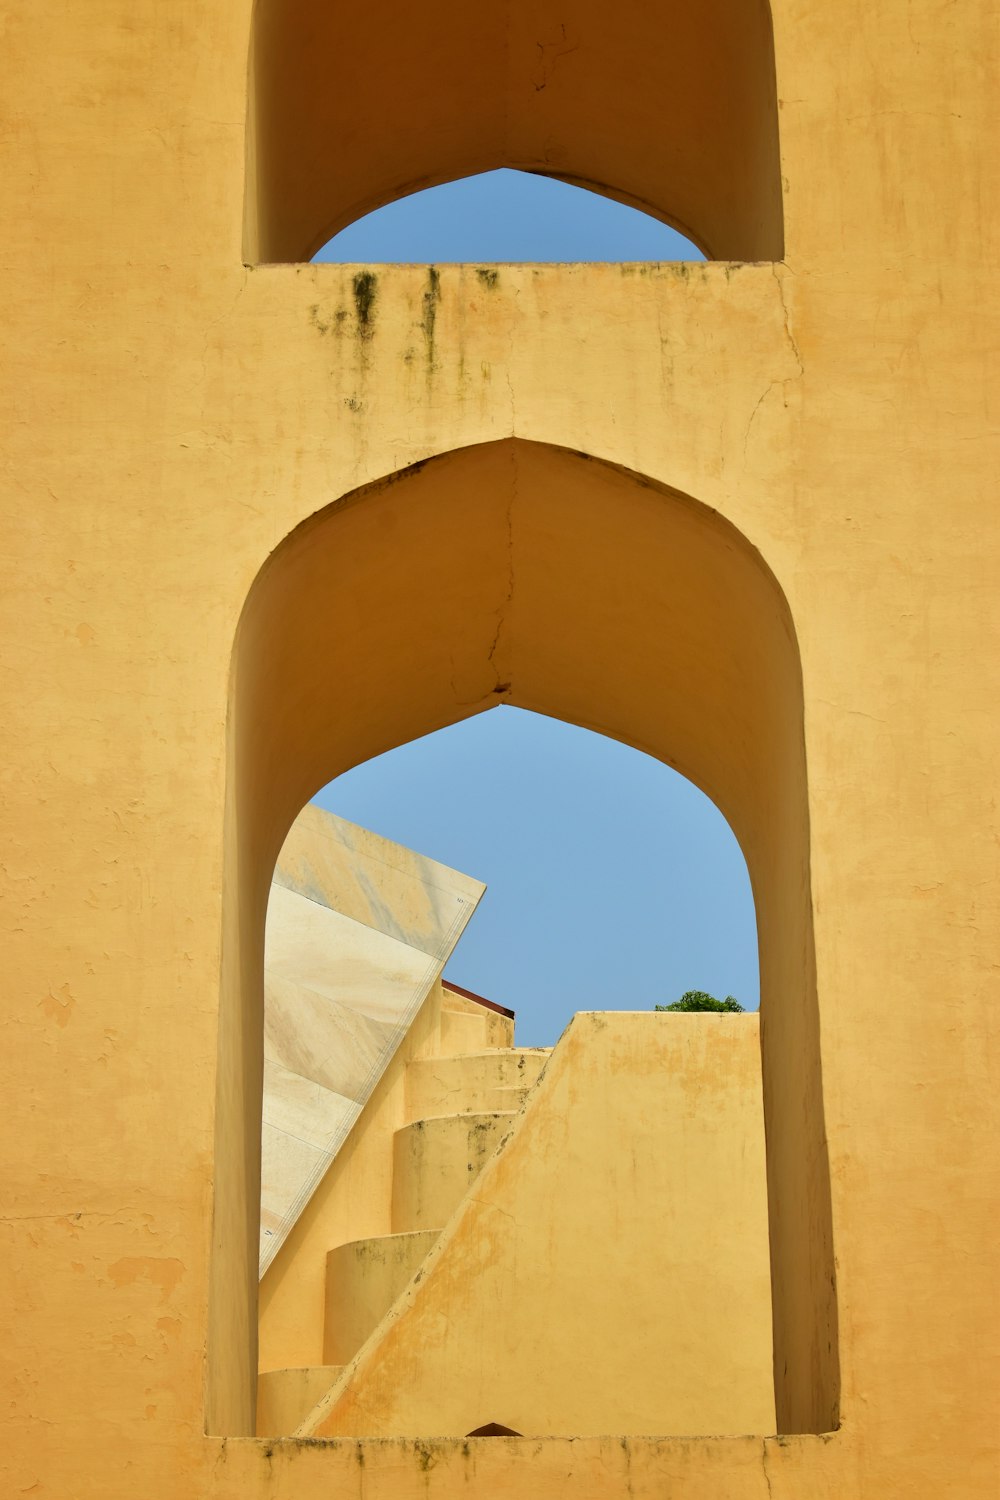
699,1000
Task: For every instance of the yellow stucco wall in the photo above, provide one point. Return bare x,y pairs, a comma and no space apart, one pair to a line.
171,416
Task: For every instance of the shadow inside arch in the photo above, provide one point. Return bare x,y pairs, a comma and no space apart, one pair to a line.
679,120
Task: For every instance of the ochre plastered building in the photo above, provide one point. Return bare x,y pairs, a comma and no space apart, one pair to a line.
265,519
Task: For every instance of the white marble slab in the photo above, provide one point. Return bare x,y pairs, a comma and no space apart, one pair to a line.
358,931
376,882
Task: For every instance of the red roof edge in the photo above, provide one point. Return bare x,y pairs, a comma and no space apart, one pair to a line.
501,1010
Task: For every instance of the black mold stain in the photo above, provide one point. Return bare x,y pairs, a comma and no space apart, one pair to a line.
425,1456
489,277
365,292
333,324
432,297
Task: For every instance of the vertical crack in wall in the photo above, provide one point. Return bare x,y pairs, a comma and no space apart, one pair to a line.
501,685
783,383
789,335
767,1472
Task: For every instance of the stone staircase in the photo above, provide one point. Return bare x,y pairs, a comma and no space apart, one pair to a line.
459,1104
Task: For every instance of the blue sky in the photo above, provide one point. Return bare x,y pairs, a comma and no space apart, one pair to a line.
613,883
505,216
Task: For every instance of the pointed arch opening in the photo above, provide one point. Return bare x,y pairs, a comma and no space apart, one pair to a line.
612,882
671,110
518,572
506,217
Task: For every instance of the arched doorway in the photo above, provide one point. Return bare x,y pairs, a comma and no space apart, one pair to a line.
515,571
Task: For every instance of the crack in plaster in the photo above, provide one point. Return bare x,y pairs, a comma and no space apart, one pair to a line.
68,1218
549,54
784,383
222,317
784,313
487,1203
757,406
501,688
767,1472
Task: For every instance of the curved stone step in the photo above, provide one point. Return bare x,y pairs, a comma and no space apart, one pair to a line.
363,1280
473,1082
511,1097
436,1160
465,1031
461,1032
286,1397
496,1027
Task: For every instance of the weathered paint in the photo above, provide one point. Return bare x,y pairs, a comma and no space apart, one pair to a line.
173,416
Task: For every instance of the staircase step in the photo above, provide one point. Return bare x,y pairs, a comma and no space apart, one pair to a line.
511,1096
498,1024
499,1030
468,1030
286,1397
473,1082
436,1160
363,1280
462,1032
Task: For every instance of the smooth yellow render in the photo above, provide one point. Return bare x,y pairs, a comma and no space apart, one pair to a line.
264,519
606,1268
561,1241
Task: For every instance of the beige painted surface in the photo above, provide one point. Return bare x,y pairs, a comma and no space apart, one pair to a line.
477,1081
584,1287
171,417
285,1397
358,930
462,1031
363,1280
432,1162
353,1202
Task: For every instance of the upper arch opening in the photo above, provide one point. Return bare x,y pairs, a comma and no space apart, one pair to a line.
671,110
506,217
